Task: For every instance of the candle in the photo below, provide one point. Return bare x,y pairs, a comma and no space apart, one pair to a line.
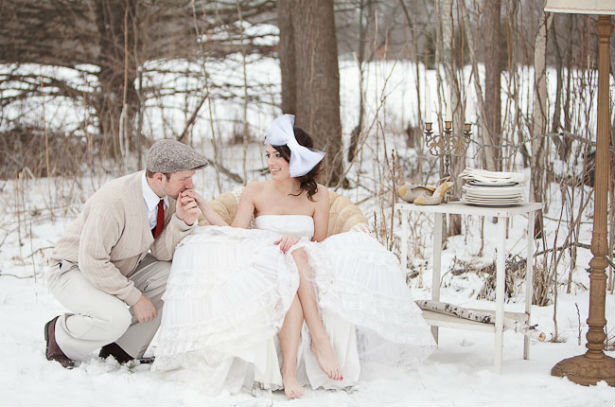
427,101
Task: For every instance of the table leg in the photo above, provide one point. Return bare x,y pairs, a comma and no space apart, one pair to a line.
499,294
529,281
437,263
403,241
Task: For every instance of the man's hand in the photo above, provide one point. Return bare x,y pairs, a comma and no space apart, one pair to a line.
187,208
191,193
144,309
286,243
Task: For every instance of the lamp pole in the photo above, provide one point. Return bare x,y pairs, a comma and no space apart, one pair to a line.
594,365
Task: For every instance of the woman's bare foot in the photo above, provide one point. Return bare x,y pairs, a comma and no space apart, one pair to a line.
326,358
292,388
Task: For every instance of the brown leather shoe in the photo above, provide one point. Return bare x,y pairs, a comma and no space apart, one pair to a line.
113,349
53,351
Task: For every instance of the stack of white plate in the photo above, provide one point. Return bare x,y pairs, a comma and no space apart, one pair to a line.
492,194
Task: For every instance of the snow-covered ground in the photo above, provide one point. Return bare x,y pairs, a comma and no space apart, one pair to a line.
459,372
35,212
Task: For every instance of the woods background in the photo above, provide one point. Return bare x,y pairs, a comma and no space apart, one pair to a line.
123,69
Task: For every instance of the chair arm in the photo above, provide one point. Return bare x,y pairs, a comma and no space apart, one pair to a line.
344,216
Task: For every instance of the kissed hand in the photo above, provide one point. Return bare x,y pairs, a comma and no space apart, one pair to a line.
191,193
187,208
286,243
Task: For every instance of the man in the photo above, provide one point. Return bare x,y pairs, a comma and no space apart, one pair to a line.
114,260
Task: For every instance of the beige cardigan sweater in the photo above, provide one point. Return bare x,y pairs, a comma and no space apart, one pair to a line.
111,236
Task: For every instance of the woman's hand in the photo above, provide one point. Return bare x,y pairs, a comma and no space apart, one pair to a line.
286,243
210,215
194,195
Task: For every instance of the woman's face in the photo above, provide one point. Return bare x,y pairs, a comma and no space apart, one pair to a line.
278,166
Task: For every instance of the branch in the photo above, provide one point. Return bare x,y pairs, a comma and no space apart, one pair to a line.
235,177
576,137
190,122
569,245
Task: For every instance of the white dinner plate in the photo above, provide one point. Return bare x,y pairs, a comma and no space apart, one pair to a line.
491,203
495,192
499,184
500,197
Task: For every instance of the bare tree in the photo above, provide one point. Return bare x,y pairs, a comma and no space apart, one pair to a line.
491,28
455,111
539,125
117,38
365,12
286,53
316,74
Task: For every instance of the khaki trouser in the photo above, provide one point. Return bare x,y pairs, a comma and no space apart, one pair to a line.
98,318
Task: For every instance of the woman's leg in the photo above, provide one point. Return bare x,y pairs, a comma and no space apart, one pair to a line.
290,336
321,344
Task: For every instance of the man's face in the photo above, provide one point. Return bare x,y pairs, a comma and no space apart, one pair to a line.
177,182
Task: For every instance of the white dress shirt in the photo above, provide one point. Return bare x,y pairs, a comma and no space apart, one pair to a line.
151,202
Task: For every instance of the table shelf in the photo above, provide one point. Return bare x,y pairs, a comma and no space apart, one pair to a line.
502,213
434,318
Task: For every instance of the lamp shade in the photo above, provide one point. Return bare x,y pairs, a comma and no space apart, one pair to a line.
581,6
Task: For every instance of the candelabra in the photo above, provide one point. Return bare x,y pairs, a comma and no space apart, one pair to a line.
447,144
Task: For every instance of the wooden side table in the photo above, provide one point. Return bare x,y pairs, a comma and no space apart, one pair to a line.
502,213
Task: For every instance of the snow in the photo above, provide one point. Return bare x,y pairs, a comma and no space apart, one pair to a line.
459,372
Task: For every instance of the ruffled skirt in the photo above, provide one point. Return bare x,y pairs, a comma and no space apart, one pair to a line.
229,290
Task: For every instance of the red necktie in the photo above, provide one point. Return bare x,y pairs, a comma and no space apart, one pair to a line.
159,219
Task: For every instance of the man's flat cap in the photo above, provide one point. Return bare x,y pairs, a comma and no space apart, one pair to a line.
168,155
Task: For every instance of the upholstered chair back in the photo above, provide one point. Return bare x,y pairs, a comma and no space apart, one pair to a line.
344,216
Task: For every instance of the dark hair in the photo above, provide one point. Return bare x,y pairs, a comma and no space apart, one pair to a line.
307,182
150,174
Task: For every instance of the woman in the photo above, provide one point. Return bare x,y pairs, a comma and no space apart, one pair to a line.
232,289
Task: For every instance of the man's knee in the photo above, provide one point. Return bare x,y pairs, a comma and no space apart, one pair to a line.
117,321
157,281
160,277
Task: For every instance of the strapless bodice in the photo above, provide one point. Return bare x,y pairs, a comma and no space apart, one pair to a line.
291,225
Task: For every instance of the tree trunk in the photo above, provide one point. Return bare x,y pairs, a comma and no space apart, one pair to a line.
117,73
286,53
555,121
455,112
493,66
539,127
483,133
357,131
567,114
317,81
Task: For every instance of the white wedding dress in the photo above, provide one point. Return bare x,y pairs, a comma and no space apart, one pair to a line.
230,288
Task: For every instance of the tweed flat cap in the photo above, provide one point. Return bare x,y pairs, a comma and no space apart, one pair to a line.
168,155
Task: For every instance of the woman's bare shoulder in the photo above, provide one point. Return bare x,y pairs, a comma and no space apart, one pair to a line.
252,190
255,186
322,194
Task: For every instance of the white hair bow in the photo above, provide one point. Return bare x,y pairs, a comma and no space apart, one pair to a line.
302,159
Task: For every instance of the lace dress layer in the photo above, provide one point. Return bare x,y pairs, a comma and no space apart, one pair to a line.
230,288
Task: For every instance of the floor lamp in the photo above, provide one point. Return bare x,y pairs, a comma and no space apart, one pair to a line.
594,365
